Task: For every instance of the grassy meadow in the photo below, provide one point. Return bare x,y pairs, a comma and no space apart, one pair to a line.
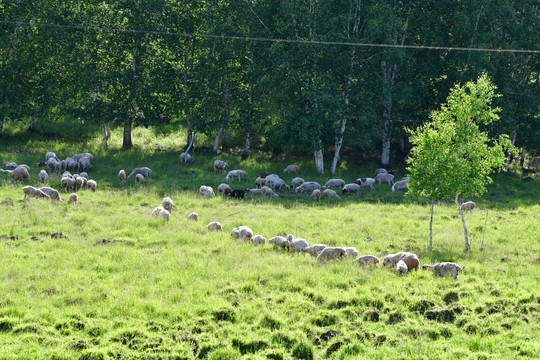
105,280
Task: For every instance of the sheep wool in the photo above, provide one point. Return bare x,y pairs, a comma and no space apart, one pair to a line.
445,268
20,174
334,183
402,268
331,194
193,216
167,204
52,193
122,177
258,240
367,260
292,169
140,180
297,182
43,176
92,185
316,195
30,191
206,192
73,199
331,253
468,206
214,226
314,249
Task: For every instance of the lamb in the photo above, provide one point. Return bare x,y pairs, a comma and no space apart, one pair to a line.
237,194
402,268
193,216
314,249
260,181
84,163
73,199
385,178
280,242
51,163
308,186
258,240
330,193
140,180
410,259
68,183
331,253
297,182
167,204
298,245
243,233
292,169
161,212
52,193
20,174
265,190
122,177
363,182
144,171
380,171
468,206
30,191
367,260
186,158
400,185
91,184
334,183
222,188
220,165
445,268
351,252
43,176
235,173
351,188
206,192
80,183
214,226
535,162
316,195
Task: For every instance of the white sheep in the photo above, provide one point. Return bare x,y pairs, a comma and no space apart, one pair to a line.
280,242
297,182
73,199
314,249
224,189
144,171
402,268
253,192
220,165
298,245
51,162
292,169
167,204
193,216
122,177
351,188
316,195
258,240
334,183
400,185
30,191
58,167
92,185
52,193
410,259
330,193
43,176
351,252
76,157
214,226
445,268
363,182
84,164
140,179
243,233
20,174
51,154
259,182
71,164
279,184
468,206
10,164
265,190
270,179
85,175
385,179
331,253
80,182
68,183
380,171
206,192
308,186
186,158
367,260
161,212
235,173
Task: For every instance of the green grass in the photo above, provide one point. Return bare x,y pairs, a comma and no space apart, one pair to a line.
119,284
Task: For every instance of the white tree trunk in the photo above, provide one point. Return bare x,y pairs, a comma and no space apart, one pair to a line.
467,246
337,147
104,133
509,159
247,146
218,138
319,161
431,227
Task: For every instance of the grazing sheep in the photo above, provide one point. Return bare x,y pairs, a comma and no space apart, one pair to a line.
206,192
265,190
80,182
52,193
297,182
380,171
144,171
406,178
367,260
351,252
298,245
67,174
85,163
253,192
279,184
51,163
402,268
235,173
314,249
220,165
214,226
385,178
259,182
535,162
193,216
77,157
468,206
161,212
10,164
68,183
222,187
334,183
258,240
41,164
167,204
400,185
316,195
71,163
84,175
330,193
73,199
280,242
292,169
186,158
410,259
122,177
20,174
243,233
237,194
270,179
91,184
308,186
30,191
363,182
445,268
351,188
43,176
58,167
51,154
140,180
63,165
331,253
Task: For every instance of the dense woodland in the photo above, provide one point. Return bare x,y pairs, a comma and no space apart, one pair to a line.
213,67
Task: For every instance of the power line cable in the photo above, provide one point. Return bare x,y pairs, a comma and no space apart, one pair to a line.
264,39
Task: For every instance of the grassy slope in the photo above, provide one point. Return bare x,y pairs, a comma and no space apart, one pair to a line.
121,284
